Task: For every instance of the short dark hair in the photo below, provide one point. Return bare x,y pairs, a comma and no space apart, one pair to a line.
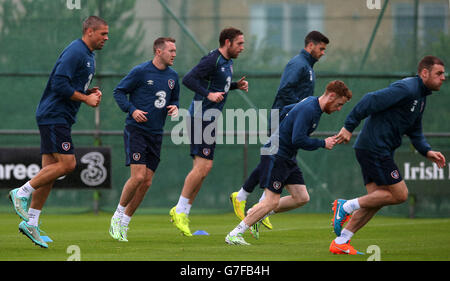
159,42
93,22
316,37
229,33
427,62
339,87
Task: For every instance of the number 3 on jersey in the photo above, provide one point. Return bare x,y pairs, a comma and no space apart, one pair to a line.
160,102
227,86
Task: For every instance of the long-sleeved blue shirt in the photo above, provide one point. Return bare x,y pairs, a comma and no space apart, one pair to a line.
72,72
150,90
391,113
295,130
297,81
212,74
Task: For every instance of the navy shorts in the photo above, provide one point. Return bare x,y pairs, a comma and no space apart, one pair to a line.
56,139
376,168
142,147
276,172
202,136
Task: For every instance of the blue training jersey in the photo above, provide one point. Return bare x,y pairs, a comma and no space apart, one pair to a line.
212,74
391,113
151,90
297,81
72,72
295,130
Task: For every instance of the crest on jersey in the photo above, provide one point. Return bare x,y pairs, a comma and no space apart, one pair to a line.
276,185
65,146
206,151
171,83
395,174
136,156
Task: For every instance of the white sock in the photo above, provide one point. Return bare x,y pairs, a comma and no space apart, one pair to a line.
187,210
240,228
262,196
118,214
351,205
346,235
182,205
242,195
268,214
33,216
25,190
125,220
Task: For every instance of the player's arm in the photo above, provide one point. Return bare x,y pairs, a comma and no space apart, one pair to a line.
126,86
300,137
375,102
92,99
242,84
420,143
201,72
417,138
292,75
62,81
285,110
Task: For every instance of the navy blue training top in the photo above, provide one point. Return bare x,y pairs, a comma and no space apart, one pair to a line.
212,74
72,72
297,81
150,90
391,113
295,130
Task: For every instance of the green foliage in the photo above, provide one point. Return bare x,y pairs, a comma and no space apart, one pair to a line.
34,32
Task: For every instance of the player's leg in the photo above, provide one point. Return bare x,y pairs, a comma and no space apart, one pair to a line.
137,178
385,195
368,205
192,185
31,228
140,194
341,245
252,181
138,173
269,203
134,204
239,198
299,197
56,140
195,178
193,182
63,164
40,195
376,198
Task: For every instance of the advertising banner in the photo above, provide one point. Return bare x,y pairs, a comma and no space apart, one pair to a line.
93,170
423,176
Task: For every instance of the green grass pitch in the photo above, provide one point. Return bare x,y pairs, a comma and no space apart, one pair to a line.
295,237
